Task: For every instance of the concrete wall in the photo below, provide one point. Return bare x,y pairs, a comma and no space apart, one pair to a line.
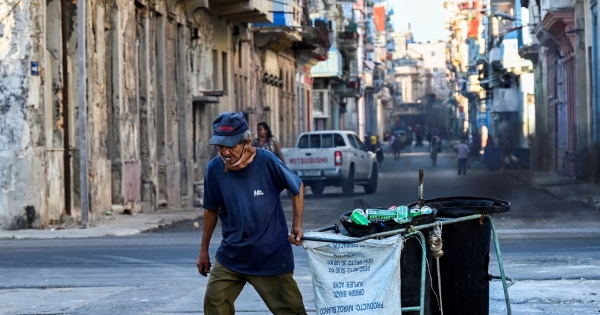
147,142
22,138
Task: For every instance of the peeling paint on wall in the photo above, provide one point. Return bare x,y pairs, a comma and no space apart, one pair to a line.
140,89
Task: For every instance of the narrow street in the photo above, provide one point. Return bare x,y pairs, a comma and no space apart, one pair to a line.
155,273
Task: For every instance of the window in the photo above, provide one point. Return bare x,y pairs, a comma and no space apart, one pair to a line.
339,141
303,142
327,141
240,54
435,69
215,64
359,143
433,54
318,100
352,142
315,141
224,71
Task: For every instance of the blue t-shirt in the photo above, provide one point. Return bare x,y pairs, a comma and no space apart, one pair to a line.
254,227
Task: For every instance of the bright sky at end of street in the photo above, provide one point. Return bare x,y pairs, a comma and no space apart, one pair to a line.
426,18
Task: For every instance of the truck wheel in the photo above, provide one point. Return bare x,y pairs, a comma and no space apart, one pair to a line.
348,184
371,187
317,188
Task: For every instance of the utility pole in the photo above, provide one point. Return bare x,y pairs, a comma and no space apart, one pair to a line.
82,97
490,71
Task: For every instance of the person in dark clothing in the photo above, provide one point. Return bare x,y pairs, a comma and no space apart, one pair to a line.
241,188
462,154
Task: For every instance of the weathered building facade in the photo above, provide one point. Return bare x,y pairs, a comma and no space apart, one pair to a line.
564,58
158,72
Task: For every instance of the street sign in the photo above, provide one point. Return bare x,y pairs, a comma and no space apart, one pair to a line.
483,119
35,68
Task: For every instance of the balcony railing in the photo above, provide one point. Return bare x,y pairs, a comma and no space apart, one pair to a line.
350,89
330,68
530,52
315,43
348,40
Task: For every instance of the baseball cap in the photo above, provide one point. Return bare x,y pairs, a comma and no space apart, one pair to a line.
228,129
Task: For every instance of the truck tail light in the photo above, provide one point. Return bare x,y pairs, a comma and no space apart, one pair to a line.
338,158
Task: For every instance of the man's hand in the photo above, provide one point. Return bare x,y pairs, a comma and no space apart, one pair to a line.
203,263
295,236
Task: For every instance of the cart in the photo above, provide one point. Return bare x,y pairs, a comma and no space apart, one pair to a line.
471,210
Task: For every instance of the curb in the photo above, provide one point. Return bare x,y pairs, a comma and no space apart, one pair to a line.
549,233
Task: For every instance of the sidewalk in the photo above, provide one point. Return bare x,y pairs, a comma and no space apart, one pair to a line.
560,187
563,187
113,225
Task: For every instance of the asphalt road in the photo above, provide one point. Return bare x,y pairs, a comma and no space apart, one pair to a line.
155,273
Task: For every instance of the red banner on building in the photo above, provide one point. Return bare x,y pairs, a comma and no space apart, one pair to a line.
475,21
379,17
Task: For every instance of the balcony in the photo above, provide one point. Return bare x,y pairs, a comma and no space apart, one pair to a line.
354,88
530,52
314,45
347,37
243,11
283,31
330,68
348,41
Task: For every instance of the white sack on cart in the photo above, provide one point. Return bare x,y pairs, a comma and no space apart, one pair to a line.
355,278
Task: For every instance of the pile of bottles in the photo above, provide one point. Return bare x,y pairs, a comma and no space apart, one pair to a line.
400,214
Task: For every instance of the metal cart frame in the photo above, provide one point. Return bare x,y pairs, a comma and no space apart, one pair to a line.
415,230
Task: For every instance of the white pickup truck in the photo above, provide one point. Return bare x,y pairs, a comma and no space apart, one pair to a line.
333,158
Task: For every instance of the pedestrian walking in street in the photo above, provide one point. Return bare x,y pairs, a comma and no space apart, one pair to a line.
379,154
241,189
396,146
462,152
436,147
373,141
265,140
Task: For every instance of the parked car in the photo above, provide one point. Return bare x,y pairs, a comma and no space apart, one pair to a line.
333,158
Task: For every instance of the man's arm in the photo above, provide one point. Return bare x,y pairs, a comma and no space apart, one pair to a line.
210,222
295,236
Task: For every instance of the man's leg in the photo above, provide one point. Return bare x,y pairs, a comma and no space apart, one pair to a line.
223,288
462,166
280,293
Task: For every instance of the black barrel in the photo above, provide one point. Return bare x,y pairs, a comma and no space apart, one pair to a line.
410,259
464,272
